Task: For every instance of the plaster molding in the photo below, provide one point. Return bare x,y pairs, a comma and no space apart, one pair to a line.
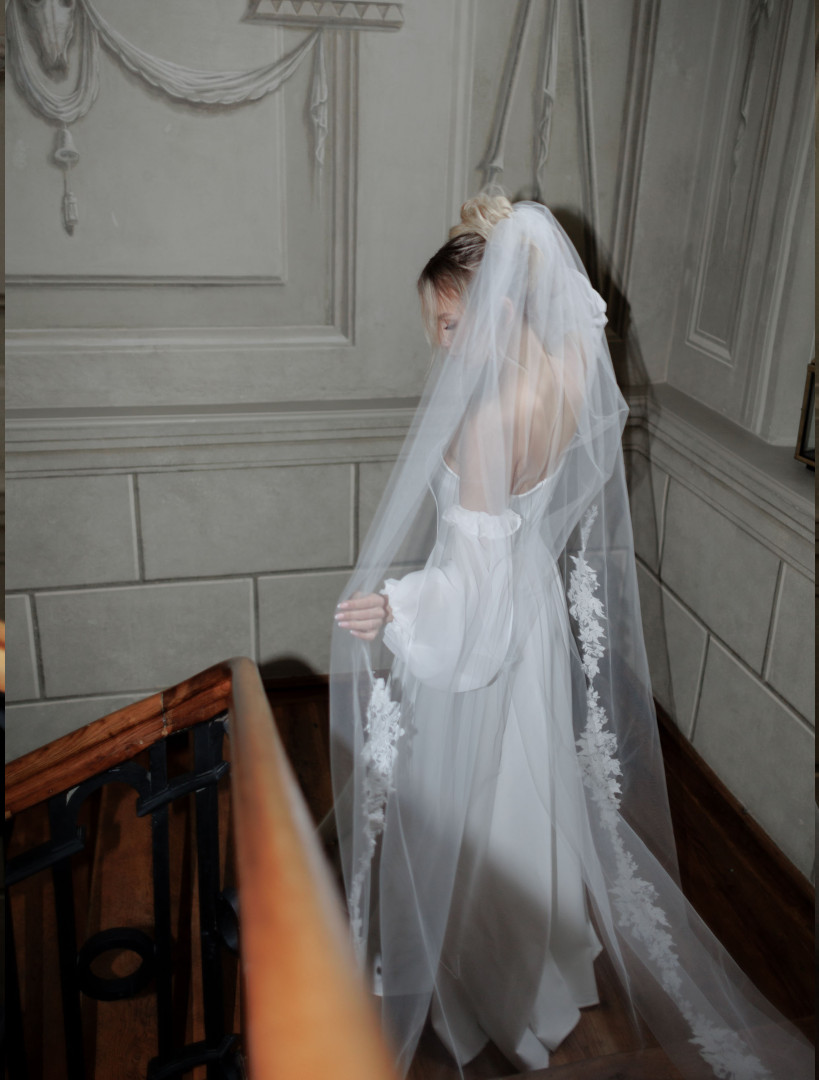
591,210
35,70
742,73
59,443
695,336
119,281
458,168
53,344
492,164
345,53
332,14
547,94
343,50
755,485
645,19
24,345
763,321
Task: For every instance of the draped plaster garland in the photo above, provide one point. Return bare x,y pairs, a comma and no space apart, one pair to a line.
547,95
492,164
39,91
319,99
758,9
52,22
82,22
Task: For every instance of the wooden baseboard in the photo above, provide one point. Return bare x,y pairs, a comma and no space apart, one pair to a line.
749,893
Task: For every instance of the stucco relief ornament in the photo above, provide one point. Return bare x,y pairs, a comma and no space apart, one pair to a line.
52,26
66,156
42,32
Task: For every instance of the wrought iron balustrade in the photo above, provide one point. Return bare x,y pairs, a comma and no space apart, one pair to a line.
159,955
304,1011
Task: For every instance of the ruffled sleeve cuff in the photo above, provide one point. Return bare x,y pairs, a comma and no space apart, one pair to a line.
481,525
402,596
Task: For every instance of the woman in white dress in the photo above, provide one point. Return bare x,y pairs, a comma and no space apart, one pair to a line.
495,754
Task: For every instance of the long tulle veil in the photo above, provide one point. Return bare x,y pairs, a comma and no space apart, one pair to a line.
522,414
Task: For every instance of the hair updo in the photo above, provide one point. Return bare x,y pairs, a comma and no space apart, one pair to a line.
449,271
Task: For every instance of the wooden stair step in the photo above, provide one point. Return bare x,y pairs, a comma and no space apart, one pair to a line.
743,887
649,1064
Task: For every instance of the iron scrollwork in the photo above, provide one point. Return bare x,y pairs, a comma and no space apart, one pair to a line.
218,915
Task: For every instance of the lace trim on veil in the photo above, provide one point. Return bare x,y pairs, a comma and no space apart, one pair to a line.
635,898
382,730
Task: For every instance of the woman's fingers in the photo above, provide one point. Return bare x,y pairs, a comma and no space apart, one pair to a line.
359,605
359,602
355,614
363,616
362,622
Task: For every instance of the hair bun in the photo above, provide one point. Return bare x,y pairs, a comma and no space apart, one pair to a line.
481,214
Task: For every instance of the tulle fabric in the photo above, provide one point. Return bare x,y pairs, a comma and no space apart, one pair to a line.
496,763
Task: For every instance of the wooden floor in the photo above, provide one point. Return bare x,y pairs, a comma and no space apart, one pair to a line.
753,899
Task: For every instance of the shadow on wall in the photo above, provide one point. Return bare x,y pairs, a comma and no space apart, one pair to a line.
289,667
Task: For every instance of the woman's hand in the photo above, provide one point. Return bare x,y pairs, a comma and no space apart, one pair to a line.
364,616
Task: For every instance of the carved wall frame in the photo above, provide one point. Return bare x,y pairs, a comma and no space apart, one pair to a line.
731,130
343,53
738,367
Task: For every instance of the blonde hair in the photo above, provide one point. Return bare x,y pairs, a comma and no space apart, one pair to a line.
449,271
481,214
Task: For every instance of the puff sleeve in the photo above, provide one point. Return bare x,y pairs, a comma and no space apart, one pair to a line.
452,620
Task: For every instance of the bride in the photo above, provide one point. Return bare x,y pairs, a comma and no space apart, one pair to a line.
496,763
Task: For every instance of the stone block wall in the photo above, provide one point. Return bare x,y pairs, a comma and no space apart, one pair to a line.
129,571
128,575
724,538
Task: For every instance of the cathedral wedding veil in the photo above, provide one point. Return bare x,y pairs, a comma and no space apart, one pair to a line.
496,763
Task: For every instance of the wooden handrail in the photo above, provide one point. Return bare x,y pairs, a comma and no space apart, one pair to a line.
305,1011
115,738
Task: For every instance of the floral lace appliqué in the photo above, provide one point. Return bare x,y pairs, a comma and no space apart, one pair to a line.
382,730
635,898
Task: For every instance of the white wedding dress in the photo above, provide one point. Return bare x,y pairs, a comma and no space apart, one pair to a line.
495,753
517,957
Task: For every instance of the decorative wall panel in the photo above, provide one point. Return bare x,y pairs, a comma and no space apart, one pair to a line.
730,346
746,73
138,156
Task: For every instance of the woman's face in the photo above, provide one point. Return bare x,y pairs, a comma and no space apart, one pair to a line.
448,311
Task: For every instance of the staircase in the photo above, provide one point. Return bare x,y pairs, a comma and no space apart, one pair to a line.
135,1016
748,893
121,843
